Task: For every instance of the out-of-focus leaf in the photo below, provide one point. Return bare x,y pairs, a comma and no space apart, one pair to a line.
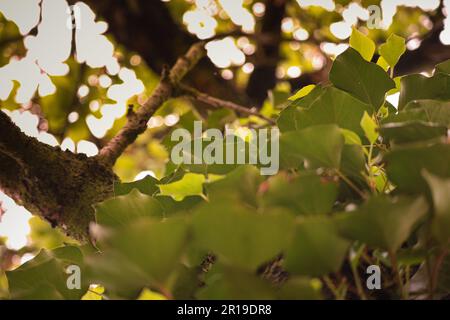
307,194
440,190
320,145
44,277
122,210
190,185
404,165
316,249
240,236
414,131
383,223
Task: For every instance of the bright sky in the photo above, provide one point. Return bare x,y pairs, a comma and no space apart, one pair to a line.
49,50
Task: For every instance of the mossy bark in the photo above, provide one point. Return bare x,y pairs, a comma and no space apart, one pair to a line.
57,185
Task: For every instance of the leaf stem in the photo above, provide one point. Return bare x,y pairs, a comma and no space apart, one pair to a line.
351,184
398,277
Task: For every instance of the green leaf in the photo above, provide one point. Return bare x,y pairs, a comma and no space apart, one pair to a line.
429,111
393,49
144,253
147,294
444,67
383,63
148,186
440,190
419,87
353,161
316,248
364,80
239,235
404,165
370,128
351,137
44,277
320,145
333,106
363,44
303,92
122,210
241,185
300,288
190,185
383,223
308,194
231,283
413,131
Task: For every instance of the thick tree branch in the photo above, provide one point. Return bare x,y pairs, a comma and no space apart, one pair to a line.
58,186
137,123
219,103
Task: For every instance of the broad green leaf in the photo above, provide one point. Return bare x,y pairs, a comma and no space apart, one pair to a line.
413,131
428,110
404,165
440,190
353,161
307,194
232,283
419,87
316,248
239,235
334,106
190,185
122,210
144,253
321,146
241,185
364,80
363,44
393,49
303,92
382,222
370,128
45,277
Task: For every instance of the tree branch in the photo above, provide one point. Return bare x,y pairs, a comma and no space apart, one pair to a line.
137,123
58,186
219,103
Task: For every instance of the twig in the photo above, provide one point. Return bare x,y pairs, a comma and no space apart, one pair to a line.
218,103
435,272
138,124
396,270
351,184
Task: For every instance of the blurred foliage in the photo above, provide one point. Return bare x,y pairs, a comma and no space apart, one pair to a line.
357,175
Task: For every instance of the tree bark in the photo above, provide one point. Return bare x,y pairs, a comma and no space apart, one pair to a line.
56,185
